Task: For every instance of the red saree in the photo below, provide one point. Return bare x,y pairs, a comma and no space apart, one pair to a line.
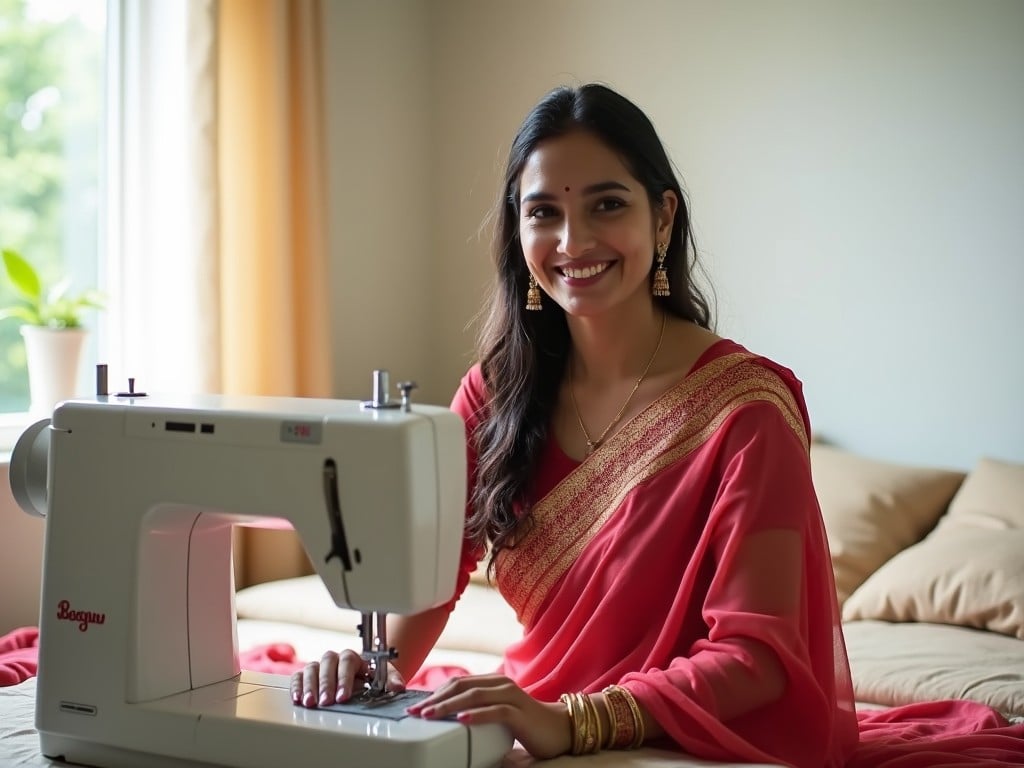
686,560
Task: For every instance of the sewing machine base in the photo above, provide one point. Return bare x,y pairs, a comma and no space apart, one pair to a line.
250,722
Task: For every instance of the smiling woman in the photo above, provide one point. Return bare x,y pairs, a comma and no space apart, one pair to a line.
672,574
589,229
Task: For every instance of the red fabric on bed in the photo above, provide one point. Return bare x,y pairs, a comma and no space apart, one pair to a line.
273,658
19,660
19,655
937,734
432,678
281,659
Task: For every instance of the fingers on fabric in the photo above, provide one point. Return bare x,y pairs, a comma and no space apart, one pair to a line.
469,693
296,687
328,684
335,679
395,682
351,667
320,683
542,728
304,683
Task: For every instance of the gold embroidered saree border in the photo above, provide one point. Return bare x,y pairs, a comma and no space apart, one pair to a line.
571,515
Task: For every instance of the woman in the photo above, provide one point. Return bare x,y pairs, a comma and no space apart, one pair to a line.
643,485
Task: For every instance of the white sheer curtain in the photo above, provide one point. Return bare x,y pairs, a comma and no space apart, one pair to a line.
162,269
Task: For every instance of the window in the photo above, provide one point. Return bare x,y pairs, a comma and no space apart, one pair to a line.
52,137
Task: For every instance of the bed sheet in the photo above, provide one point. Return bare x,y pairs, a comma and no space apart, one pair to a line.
19,742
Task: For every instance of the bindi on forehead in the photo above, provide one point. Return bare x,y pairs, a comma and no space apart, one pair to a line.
567,189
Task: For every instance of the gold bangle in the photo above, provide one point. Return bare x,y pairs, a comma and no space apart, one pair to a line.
623,717
589,739
612,725
637,718
582,734
574,734
596,719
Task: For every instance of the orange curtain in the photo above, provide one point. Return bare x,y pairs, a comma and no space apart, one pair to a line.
273,226
272,179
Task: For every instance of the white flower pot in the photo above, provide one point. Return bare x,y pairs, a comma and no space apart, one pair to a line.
53,355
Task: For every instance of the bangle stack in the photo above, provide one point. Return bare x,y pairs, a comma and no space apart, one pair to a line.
626,726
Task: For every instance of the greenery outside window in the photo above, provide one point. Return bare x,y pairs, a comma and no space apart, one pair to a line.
52,137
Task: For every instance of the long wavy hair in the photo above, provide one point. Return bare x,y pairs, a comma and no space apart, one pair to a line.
523,354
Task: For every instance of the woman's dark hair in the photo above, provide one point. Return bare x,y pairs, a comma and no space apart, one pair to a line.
523,354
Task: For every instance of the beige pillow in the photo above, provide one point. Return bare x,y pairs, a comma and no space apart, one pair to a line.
874,509
991,497
968,577
969,571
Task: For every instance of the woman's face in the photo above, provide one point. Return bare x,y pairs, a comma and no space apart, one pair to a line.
586,225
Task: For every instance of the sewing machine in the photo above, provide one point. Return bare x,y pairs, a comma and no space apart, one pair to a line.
138,659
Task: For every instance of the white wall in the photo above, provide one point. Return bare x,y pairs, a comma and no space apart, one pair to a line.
380,149
856,174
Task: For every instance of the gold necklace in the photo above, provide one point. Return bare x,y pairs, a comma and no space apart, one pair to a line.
592,445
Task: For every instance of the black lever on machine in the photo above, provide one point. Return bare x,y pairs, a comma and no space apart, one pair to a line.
339,544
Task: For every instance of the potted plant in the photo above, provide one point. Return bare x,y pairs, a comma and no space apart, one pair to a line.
51,324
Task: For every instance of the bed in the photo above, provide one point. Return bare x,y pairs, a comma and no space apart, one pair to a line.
19,742
928,566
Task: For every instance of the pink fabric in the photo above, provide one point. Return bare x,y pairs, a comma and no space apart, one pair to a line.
281,659
272,658
937,734
19,651
708,579
19,654
433,677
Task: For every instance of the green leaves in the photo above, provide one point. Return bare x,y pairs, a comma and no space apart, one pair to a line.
23,275
54,309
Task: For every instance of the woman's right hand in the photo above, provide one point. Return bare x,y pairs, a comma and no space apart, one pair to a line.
335,679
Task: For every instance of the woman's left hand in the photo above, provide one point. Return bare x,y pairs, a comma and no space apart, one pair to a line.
542,728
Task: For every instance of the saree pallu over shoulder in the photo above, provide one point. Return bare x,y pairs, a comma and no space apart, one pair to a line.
566,520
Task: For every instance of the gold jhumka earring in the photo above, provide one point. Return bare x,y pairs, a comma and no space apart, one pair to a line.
660,287
533,295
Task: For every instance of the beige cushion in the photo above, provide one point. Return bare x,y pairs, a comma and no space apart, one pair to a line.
967,577
894,664
991,497
969,571
482,621
874,509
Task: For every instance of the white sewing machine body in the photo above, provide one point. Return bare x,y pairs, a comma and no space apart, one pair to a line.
138,659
